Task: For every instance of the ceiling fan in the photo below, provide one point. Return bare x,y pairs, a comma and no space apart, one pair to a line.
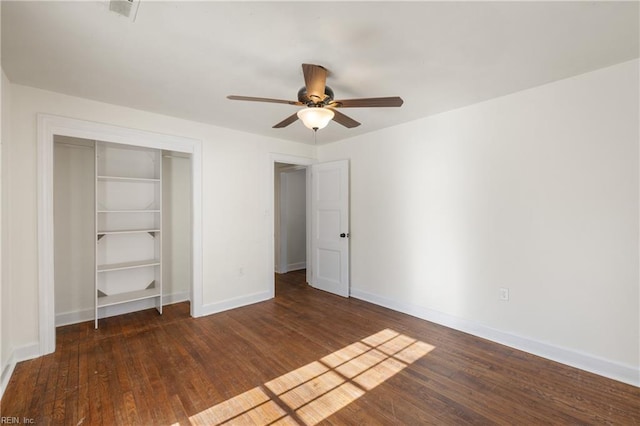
319,102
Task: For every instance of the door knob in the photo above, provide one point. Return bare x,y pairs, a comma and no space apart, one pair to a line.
343,235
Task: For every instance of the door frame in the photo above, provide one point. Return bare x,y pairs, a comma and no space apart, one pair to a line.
50,125
271,169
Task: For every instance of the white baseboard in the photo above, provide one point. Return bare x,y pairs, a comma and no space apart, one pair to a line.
296,266
613,370
290,267
236,302
23,353
7,371
170,299
68,318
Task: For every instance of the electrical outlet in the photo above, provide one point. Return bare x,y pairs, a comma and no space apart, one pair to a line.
504,294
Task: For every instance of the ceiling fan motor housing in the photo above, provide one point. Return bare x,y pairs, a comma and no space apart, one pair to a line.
310,102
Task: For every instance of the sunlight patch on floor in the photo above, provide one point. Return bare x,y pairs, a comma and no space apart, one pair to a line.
310,394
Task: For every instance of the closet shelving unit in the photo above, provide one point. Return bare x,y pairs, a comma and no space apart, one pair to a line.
128,225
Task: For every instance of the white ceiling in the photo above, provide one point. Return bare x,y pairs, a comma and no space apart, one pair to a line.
183,58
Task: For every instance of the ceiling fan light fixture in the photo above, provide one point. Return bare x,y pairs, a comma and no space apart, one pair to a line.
315,118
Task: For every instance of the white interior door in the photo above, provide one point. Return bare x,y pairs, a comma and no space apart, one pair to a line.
330,226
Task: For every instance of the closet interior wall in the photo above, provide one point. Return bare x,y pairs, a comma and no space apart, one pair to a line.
176,223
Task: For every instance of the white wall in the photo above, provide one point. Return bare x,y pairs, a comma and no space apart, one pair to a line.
74,229
291,246
6,322
236,211
296,215
290,228
176,235
537,192
277,169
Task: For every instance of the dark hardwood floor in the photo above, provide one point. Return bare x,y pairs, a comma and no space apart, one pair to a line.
305,357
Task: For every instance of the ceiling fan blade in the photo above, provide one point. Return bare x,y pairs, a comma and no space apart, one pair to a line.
253,99
315,79
345,120
393,101
284,123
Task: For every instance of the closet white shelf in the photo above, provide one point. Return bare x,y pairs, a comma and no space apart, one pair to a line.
126,179
128,265
128,205
129,296
128,231
129,211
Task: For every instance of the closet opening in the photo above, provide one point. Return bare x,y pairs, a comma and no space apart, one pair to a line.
122,226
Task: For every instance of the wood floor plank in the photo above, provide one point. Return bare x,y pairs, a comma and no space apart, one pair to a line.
24,376
140,386
304,357
33,404
93,416
82,395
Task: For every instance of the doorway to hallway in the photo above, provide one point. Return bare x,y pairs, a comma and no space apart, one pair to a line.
290,227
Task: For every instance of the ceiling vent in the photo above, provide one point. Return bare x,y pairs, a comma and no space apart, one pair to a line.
126,8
